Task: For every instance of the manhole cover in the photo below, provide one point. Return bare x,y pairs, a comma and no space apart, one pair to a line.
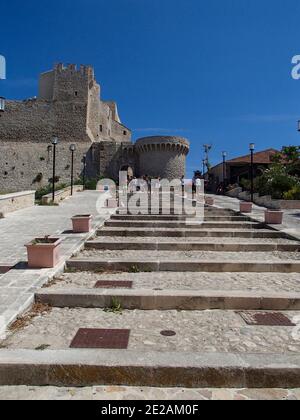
266,319
168,333
106,284
100,339
157,290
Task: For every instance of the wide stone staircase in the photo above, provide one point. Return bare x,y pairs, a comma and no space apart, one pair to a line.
161,301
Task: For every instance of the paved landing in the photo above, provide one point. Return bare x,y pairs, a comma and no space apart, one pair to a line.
18,286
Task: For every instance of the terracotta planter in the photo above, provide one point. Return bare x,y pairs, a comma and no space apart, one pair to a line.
245,207
209,201
273,217
82,223
112,203
43,252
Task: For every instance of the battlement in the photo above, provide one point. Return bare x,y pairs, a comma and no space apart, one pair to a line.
55,84
71,69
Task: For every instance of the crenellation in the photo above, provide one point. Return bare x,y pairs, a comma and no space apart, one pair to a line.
69,106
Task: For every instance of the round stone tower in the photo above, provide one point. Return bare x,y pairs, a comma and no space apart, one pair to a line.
162,156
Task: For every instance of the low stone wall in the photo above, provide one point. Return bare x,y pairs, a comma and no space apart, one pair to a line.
16,201
265,201
60,195
235,192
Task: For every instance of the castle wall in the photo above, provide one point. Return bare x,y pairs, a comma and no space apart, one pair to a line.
27,121
69,107
21,166
163,157
167,165
46,86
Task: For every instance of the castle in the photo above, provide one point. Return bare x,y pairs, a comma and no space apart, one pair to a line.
69,106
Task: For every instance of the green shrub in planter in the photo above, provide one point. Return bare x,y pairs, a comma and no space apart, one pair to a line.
293,194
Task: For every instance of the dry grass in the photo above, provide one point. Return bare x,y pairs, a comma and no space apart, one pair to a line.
52,282
23,321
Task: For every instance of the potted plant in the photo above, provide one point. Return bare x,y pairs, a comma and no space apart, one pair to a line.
43,252
245,207
82,223
111,203
273,217
209,201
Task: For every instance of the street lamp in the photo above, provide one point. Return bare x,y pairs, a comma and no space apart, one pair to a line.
298,125
2,104
224,154
54,143
84,170
252,148
72,150
203,166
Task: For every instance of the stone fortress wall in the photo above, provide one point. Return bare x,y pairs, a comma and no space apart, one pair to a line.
69,106
162,156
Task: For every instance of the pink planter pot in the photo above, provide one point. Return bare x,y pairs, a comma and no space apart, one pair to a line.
209,201
245,207
43,252
82,223
273,217
112,203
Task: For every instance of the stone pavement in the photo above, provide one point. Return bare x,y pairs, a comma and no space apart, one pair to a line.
125,393
192,288
291,220
18,286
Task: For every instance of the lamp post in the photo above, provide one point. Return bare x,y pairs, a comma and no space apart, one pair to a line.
54,143
203,167
84,170
252,148
299,126
72,150
2,104
224,154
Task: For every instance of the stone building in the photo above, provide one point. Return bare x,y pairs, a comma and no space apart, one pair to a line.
69,106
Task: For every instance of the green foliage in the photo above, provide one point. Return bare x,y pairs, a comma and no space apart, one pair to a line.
91,183
281,180
47,190
134,269
293,194
38,178
56,179
115,308
276,181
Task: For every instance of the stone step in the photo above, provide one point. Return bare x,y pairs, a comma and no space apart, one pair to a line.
125,393
177,211
188,300
187,224
191,246
227,282
201,265
78,368
182,233
149,217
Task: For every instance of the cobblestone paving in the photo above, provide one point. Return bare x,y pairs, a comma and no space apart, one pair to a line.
274,282
197,331
104,393
186,255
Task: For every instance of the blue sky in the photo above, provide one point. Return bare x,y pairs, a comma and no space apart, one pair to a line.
216,71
